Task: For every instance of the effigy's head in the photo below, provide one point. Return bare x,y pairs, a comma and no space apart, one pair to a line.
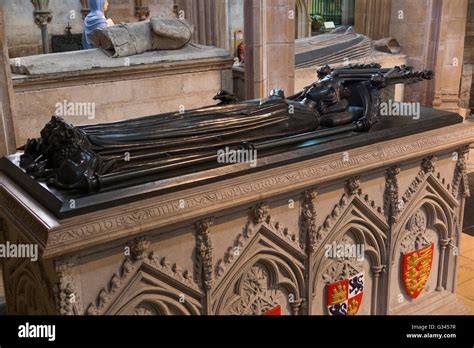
323,89
62,139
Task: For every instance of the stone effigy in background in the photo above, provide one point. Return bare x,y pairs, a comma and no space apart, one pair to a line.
134,38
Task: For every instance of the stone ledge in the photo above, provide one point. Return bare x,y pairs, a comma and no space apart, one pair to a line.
23,83
60,63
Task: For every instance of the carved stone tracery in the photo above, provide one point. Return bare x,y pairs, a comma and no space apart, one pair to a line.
256,297
342,267
416,236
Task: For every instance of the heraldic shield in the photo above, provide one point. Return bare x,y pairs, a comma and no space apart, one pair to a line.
345,297
416,269
273,312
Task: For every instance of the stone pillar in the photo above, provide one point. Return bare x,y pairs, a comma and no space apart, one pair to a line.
348,11
376,271
43,17
443,243
372,18
269,46
85,8
7,137
295,307
450,55
431,33
209,18
303,19
142,10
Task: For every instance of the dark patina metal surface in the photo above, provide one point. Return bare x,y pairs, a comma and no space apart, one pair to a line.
109,164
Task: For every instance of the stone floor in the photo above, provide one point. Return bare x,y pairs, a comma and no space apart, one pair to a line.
468,224
465,281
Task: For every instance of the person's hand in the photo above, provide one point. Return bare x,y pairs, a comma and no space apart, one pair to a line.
110,22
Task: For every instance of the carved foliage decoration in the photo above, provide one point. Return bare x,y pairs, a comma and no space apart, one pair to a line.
41,12
461,179
68,298
159,270
308,219
392,206
203,264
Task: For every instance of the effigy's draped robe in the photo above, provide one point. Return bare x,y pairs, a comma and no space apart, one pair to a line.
173,137
99,157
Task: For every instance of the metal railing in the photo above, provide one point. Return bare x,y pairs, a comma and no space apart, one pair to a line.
330,10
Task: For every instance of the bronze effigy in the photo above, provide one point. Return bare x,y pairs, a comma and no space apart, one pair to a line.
99,157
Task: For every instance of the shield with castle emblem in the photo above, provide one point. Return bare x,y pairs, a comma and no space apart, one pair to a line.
416,269
345,297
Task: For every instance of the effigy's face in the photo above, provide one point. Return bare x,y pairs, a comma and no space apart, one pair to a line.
106,5
322,90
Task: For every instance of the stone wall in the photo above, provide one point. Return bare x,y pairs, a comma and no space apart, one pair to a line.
24,36
410,25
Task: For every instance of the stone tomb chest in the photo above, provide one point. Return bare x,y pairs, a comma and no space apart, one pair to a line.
262,240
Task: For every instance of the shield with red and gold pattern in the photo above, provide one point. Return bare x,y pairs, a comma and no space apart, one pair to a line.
273,312
345,297
416,269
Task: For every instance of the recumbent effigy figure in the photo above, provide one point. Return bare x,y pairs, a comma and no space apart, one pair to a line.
128,39
101,157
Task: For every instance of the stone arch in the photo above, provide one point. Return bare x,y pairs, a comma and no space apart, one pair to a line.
31,295
153,300
437,227
358,223
302,19
147,286
436,207
283,275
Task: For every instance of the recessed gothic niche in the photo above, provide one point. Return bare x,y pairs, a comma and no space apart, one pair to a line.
267,275
430,222
356,224
147,292
148,284
28,288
